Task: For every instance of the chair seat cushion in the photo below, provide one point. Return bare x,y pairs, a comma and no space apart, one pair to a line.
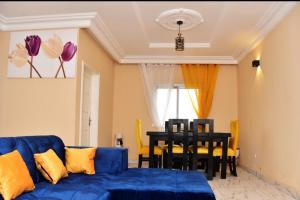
218,151
200,150
145,150
177,150
174,145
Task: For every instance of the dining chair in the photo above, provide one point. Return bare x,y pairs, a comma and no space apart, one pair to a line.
198,149
177,162
232,149
143,151
175,150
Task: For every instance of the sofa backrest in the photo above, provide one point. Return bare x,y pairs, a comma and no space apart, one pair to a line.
29,145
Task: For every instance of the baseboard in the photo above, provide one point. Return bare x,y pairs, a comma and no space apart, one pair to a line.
290,191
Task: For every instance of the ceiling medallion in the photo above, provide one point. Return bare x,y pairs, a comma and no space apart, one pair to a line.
169,18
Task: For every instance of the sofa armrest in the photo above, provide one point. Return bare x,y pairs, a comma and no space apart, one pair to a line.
110,160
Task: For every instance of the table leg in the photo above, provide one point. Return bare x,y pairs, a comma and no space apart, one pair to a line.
151,152
224,158
185,153
210,161
195,157
170,155
185,158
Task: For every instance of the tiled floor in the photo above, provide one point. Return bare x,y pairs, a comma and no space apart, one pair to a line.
246,187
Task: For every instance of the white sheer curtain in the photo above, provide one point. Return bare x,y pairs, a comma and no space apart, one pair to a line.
156,76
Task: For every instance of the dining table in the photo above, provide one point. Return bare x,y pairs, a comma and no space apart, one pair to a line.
219,137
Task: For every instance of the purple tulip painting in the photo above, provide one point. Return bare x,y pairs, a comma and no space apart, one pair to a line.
43,54
67,54
32,44
54,48
19,57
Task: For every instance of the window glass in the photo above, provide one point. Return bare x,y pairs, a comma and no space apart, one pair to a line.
162,104
185,107
186,110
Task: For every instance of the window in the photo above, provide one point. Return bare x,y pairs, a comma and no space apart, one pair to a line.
180,105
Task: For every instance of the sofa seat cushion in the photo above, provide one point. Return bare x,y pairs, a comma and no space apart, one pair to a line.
75,187
150,184
134,184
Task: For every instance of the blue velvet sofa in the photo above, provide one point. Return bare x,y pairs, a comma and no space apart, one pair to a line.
112,181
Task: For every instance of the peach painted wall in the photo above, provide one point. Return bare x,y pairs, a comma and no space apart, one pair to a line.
35,106
96,57
129,103
269,108
51,106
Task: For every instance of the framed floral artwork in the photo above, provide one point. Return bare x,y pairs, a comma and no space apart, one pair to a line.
43,54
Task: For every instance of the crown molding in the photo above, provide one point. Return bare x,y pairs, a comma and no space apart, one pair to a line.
74,20
265,25
106,38
179,59
1,26
2,22
90,20
139,17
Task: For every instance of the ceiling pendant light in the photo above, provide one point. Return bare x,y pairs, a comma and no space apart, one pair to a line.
179,40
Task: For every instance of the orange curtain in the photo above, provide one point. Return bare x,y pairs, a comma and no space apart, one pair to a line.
202,78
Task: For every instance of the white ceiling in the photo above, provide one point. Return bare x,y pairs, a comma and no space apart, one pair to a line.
126,29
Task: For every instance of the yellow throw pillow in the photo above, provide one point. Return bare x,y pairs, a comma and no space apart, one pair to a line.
14,176
80,160
50,165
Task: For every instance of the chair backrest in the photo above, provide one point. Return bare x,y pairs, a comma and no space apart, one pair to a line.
200,125
234,130
177,127
177,123
203,124
138,134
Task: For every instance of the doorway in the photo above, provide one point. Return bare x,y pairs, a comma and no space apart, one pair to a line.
89,106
